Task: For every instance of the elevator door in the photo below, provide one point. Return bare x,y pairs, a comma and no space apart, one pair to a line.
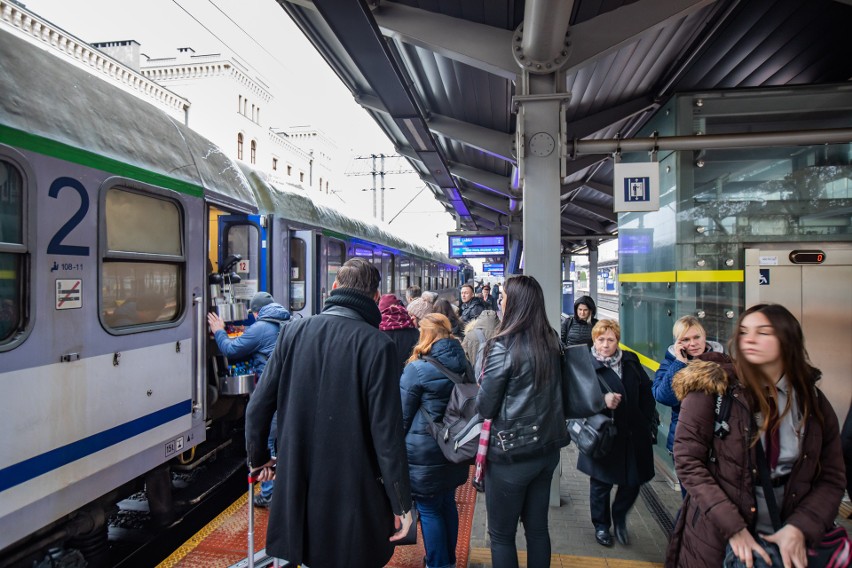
820,296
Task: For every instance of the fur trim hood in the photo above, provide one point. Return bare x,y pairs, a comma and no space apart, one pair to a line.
702,376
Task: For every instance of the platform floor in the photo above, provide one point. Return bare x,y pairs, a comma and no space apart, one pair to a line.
223,542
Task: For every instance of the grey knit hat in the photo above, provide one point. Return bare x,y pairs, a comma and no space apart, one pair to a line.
259,300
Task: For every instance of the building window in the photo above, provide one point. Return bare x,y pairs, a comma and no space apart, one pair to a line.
301,177
239,103
143,265
253,151
274,164
320,184
289,170
14,299
258,115
245,107
252,113
240,146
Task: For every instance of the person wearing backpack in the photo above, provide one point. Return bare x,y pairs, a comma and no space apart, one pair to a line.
425,392
520,392
258,340
254,345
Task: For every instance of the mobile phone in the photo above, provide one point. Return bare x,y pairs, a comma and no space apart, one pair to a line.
685,355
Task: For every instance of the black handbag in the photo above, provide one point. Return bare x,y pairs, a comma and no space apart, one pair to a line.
581,396
411,536
594,435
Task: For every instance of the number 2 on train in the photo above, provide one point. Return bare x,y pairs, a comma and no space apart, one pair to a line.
55,246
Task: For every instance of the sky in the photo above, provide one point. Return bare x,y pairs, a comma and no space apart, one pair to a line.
308,92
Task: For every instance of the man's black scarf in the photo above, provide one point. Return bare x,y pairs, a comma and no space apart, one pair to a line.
363,304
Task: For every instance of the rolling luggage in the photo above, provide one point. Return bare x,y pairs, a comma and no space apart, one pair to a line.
257,559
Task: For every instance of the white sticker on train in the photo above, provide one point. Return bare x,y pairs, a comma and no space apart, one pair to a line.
69,294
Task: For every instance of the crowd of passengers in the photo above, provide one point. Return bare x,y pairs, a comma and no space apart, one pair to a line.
343,428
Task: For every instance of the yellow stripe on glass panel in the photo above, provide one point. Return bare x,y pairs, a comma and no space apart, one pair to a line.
648,277
710,276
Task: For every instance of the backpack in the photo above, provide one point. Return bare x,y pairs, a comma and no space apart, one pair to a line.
280,323
458,431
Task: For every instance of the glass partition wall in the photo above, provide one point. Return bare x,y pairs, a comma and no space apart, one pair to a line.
688,257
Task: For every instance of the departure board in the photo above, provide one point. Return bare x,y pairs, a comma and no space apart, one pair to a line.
474,246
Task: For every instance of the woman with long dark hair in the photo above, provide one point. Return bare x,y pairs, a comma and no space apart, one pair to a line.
774,403
426,389
520,392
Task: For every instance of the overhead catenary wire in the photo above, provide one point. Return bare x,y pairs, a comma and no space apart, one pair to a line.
219,39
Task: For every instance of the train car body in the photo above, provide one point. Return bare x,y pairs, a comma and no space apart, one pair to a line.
115,219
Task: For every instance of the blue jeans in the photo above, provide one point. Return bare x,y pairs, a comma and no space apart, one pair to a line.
266,486
515,491
439,520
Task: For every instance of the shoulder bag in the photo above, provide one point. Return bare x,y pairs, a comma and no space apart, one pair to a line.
594,435
833,551
581,396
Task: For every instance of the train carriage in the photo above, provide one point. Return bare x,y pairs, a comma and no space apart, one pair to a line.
119,229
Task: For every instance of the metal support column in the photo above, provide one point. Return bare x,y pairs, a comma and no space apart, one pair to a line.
593,270
539,136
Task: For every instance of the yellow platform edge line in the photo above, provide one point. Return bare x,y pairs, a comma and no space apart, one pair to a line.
482,556
196,539
646,361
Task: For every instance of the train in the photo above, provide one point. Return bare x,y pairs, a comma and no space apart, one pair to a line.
120,228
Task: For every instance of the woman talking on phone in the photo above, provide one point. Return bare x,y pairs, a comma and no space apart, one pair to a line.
774,406
690,341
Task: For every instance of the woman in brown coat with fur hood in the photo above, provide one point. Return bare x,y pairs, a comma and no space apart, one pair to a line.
769,363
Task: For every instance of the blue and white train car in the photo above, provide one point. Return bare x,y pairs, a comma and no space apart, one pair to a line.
115,221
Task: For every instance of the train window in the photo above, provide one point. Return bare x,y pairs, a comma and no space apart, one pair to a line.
388,272
404,274
336,258
298,274
244,240
12,253
143,264
364,253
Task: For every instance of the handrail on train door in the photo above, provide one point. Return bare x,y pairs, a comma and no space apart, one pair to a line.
200,403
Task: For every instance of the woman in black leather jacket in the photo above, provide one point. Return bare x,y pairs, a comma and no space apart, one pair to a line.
520,391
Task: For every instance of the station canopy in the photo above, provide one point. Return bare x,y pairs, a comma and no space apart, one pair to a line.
439,77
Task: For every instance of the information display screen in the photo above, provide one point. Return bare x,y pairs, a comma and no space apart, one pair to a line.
475,246
635,241
493,267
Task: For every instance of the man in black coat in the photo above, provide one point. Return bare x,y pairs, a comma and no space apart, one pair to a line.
471,305
342,493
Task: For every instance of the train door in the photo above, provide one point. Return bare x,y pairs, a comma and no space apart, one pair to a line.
303,260
812,281
237,268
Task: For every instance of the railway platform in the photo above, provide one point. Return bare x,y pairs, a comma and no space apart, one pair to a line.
222,543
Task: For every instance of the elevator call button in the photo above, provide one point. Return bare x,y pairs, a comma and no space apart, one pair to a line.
807,257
